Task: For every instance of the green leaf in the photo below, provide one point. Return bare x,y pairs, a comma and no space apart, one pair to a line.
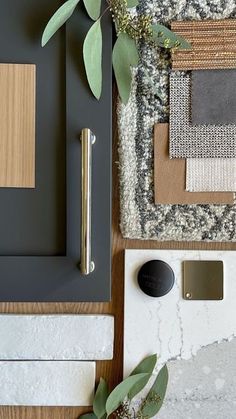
88,416
92,52
165,38
147,365
154,400
124,56
132,3
100,398
118,395
93,8
58,19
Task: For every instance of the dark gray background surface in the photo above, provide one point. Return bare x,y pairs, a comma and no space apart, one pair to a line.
40,228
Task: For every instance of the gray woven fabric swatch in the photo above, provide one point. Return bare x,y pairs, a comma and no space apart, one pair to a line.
213,97
187,140
211,175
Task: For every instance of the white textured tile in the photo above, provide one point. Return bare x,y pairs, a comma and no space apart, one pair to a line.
46,383
58,337
171,326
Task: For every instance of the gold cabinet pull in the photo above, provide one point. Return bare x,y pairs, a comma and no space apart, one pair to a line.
87,141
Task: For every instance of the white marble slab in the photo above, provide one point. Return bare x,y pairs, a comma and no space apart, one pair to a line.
46,383
171,326
57,337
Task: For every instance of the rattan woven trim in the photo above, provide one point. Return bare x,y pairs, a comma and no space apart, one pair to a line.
187,140
213,45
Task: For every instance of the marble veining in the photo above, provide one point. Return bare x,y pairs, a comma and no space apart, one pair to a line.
171,326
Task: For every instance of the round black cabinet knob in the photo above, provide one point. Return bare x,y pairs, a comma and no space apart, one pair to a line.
156,278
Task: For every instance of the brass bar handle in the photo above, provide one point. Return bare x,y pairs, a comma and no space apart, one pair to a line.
87,141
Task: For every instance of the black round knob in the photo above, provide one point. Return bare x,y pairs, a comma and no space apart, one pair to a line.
156,278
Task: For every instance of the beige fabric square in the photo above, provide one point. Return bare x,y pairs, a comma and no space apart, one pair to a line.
212,41
17,125
170,177
204,175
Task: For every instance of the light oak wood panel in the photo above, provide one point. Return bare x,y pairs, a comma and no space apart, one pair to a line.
17,125
111,370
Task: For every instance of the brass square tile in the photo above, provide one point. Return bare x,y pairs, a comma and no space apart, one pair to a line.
203,280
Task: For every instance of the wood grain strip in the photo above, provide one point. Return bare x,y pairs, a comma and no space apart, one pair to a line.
17,125
213,45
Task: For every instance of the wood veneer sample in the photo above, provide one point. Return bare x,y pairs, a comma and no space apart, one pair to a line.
213,44
17,125
170,176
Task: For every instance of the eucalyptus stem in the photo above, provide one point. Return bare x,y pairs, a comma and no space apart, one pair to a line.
130,29
137,27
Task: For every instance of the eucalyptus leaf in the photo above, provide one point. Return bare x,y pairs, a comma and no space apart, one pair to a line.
164,37
118,395
132,3
147,365
93,8
92,53
88,416
154,400
125,55
100,398
58,19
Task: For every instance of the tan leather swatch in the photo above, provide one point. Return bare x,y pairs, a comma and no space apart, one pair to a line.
170,176
213,44
17,125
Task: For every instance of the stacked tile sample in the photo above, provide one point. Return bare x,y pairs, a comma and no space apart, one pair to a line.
49,360
59,337
51,383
